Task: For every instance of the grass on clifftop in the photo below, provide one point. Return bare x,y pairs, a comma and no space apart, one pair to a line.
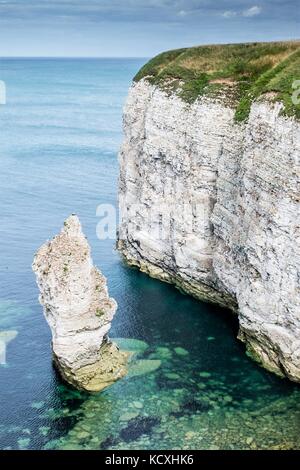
239,73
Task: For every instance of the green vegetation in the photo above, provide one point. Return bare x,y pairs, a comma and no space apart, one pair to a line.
237,73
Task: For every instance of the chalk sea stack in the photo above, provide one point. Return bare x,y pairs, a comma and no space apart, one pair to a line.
78,310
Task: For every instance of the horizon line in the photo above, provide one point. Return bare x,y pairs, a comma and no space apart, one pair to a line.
72,57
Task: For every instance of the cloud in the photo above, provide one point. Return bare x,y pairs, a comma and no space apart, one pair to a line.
138,27
249,12
253,11
79,12
229,14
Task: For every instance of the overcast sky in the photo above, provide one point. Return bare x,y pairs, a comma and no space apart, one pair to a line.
138,28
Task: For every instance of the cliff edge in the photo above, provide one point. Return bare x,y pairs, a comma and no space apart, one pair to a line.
209,186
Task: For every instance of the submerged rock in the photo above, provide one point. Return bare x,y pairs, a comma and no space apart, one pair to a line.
5,338
143,367
131,344
205,375
181,351
78,310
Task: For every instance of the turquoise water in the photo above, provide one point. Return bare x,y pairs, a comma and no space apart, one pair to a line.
60,133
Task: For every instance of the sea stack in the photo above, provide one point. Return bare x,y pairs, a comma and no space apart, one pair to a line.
78,310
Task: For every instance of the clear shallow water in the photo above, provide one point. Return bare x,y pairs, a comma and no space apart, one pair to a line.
59,136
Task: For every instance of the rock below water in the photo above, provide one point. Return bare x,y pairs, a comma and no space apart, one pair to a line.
78,310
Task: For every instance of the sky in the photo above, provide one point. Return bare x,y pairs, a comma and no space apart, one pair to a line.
138,28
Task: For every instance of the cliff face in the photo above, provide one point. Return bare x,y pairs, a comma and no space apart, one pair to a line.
212,206
78,310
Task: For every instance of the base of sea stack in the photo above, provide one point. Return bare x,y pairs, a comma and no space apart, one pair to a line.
259,346
111,366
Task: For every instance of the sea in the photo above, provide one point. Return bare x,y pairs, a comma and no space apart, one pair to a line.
60,132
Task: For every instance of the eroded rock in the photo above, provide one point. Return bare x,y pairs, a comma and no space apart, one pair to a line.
78,310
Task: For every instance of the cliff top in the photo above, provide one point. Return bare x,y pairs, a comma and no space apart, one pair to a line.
240,73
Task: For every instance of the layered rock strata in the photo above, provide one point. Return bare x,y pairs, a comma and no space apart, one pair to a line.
212,206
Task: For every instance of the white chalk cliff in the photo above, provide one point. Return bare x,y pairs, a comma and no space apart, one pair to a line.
212,206
78,310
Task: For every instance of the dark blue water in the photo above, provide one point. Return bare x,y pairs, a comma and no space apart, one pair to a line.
59,136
